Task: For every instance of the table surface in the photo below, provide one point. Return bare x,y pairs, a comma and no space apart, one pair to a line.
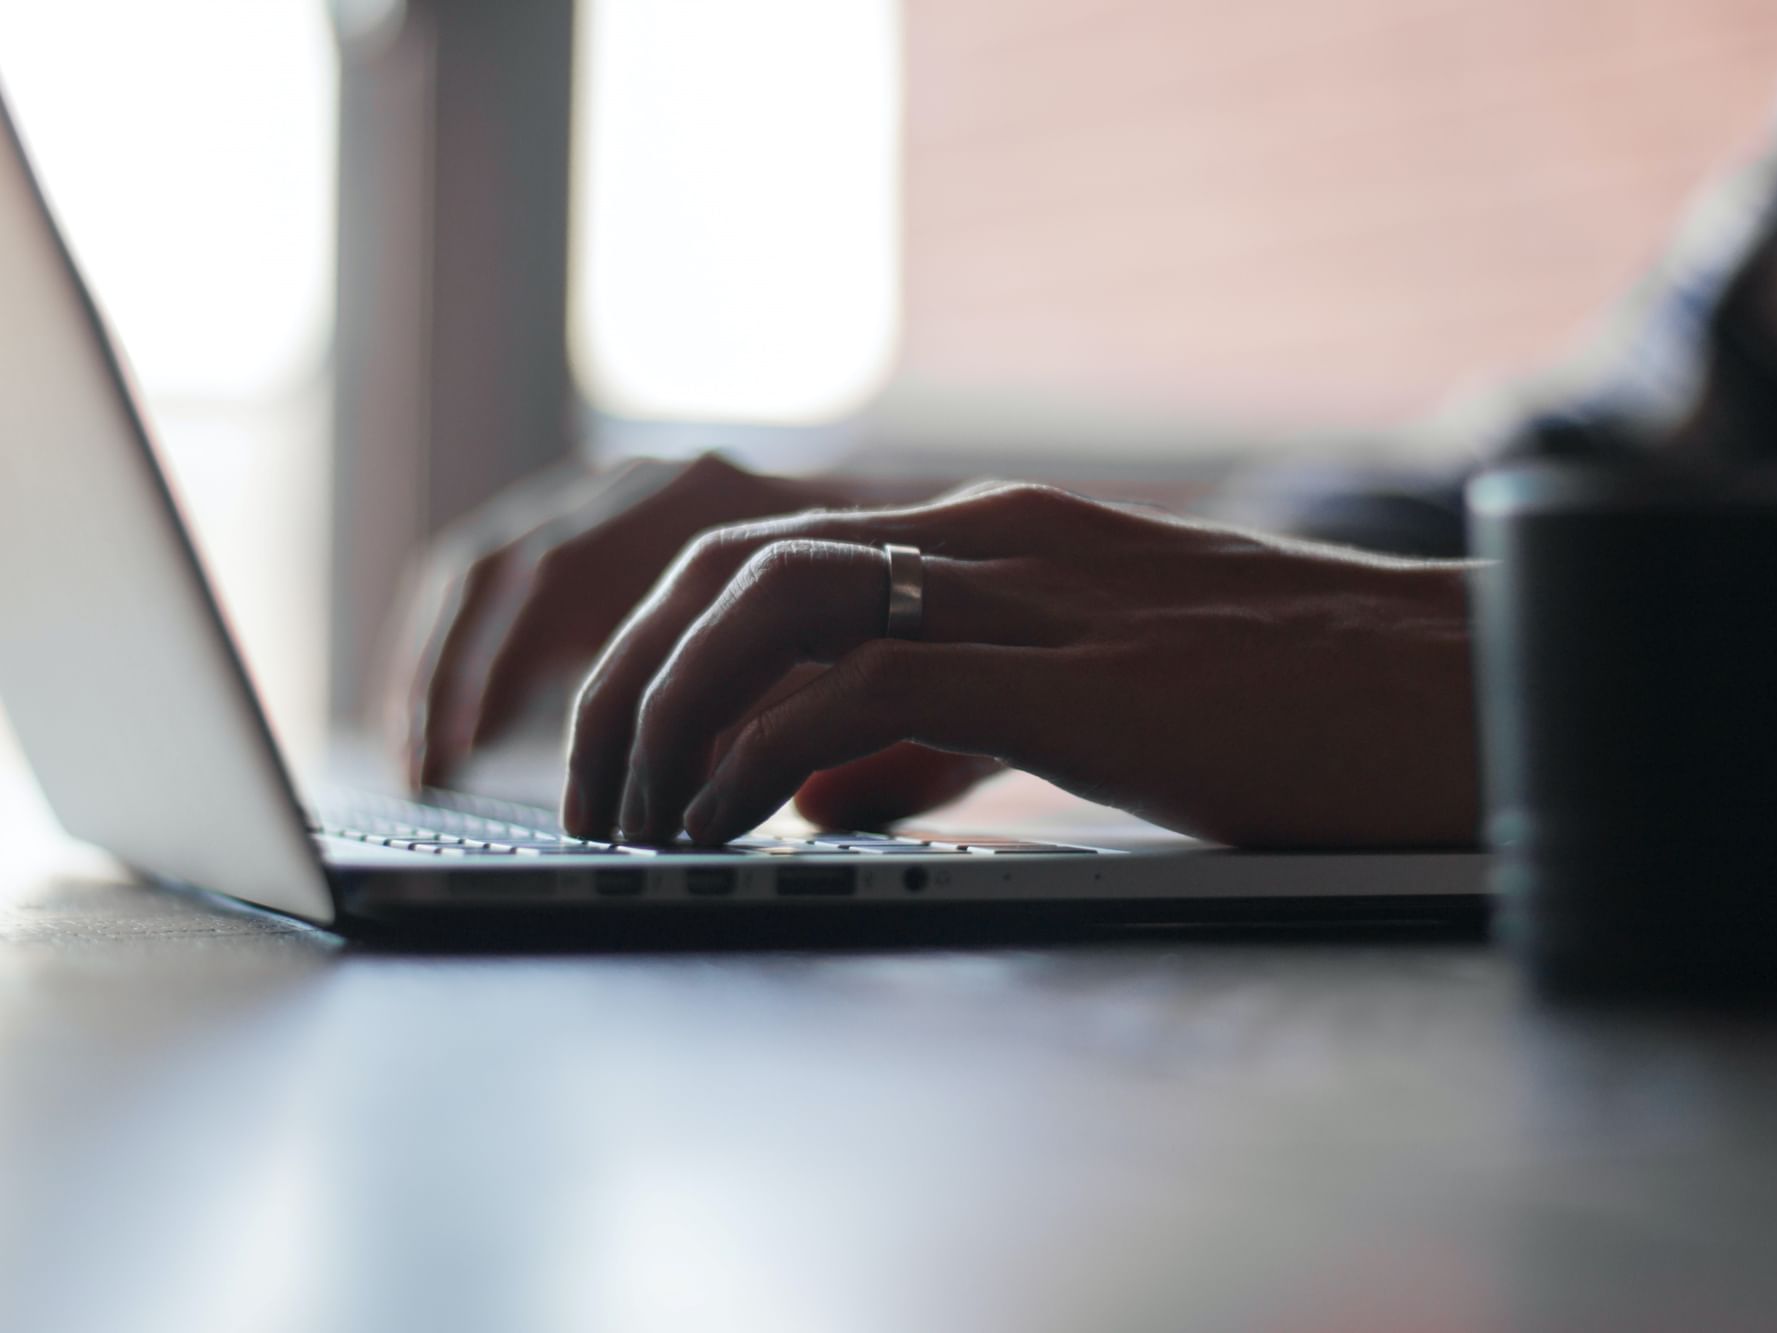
214,1119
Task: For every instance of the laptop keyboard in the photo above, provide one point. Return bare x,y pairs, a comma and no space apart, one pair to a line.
457,825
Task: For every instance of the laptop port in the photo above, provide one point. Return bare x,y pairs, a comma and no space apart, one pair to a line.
622,883
814,881
708,881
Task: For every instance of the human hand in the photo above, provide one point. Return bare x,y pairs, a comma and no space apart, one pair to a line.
1249,690
527,589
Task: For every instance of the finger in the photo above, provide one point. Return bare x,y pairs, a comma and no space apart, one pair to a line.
423,661
525,633
793,602
402,653
903,780
1006,521
488,598
972,698
432,678
554,626
530,653
791,681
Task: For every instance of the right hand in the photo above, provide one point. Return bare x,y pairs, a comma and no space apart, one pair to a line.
526,591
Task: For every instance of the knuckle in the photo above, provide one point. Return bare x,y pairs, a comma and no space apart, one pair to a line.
779,566
1017,502
974,490
756,744
875,680
652,712
1036,498
877,669
461,544
585,701
692,477
761,736
711,552
483,570
700,551
708,469
553,567
552,550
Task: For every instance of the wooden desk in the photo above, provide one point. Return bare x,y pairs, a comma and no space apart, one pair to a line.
211,1120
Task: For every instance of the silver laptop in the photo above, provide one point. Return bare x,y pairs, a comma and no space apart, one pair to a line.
123,685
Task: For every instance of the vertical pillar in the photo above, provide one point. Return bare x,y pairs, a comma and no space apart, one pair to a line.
451,361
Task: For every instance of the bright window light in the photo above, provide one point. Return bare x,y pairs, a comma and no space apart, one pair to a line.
188,146
737,206
189,149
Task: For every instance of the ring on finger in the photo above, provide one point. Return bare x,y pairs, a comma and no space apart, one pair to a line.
906,591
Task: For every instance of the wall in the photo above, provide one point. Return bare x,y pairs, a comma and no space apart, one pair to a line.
1327,210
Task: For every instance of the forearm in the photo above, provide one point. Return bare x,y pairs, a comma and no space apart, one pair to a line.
1366,735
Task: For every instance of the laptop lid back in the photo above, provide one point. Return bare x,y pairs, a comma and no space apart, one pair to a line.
116,670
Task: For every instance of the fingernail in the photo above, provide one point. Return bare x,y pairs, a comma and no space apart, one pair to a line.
703,814
632,817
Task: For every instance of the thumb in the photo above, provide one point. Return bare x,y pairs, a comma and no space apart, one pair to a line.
905,779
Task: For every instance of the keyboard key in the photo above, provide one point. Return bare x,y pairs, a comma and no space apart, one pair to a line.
1030,851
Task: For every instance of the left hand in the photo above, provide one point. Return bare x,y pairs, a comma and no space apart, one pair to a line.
1233,686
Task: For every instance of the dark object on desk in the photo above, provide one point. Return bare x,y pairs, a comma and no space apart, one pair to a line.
1628,686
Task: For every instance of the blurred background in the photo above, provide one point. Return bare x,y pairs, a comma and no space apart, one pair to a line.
374,260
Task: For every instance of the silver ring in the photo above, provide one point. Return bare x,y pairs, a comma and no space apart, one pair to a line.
906,592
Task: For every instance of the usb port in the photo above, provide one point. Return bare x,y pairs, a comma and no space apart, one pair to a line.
623,883
814,881
708,881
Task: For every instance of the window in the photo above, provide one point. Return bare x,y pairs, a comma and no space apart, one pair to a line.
737,219
188,147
